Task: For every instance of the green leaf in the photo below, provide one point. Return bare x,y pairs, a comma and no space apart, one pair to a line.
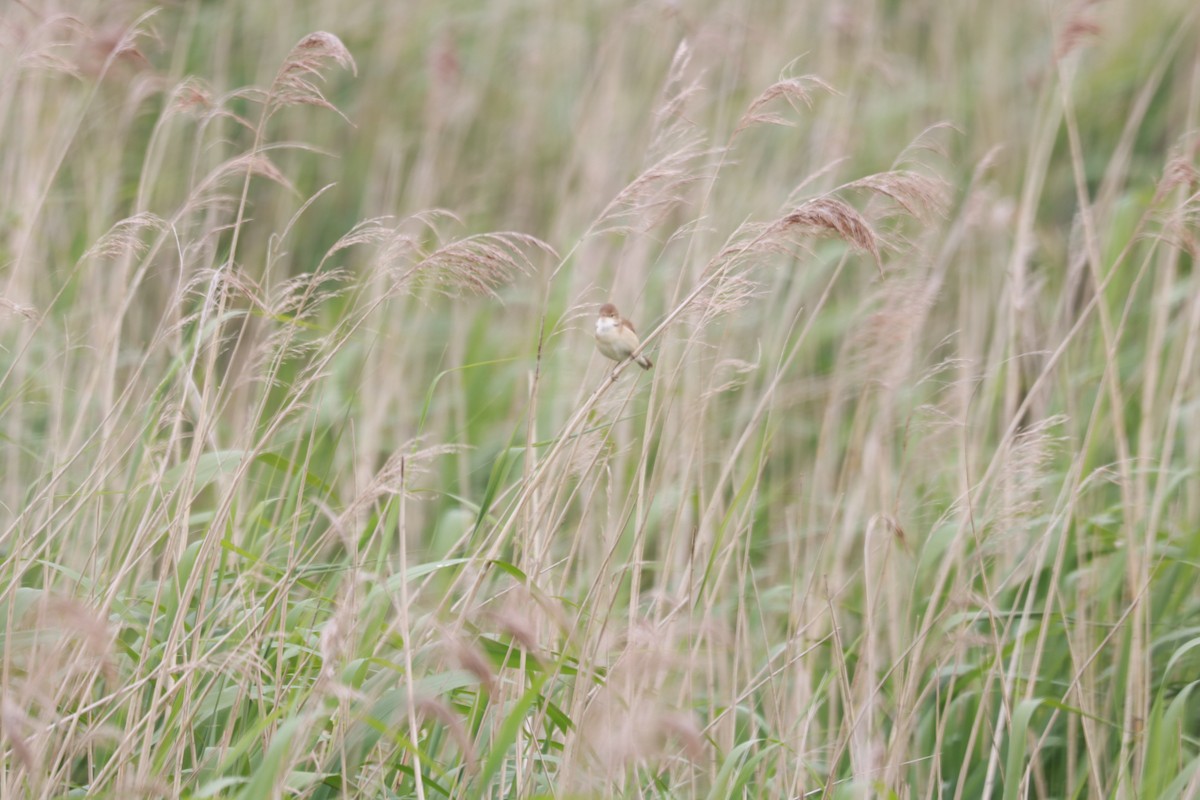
507,734
268,779
1015,766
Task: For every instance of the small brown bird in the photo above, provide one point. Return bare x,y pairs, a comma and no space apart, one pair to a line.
616,338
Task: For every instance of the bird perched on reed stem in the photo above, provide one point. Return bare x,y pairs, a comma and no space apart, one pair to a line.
616,338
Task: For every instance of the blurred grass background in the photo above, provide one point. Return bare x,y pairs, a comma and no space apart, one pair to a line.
313,484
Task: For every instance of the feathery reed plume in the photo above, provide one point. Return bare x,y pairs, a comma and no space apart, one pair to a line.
626,722
301,297
396,476
652,195
437,709
519,624
204,194
88,624
295,83
20,309
106,48
1181,216
929,140
375,230
794,91
13,724
39,49
1178,172
292,302
883,348
624,732
889,525
125,237
828,215
191,96
470,658
731,291
1079,28
1179,224
731,372
477,264
1013,503
335,642
677,91
727,283
589,444
677,154
920,196
686,730
54,650
259,164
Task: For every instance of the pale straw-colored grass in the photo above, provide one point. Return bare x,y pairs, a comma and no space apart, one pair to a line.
313,485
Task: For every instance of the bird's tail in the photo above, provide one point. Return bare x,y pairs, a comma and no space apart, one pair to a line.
644,362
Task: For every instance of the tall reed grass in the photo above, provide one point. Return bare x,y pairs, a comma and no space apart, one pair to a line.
313,484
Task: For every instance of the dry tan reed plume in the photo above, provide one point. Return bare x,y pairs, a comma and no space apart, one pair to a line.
623,732
590,444
677,156
292,301
20,309
653,194
1016,499
261,165
793,91
468,657
69,44
38,49
883,347
930,140
922,197
1079,28
295,83
626,721
206,192
193,97
827,215
478,264
914,193
90,52
54,651
437,709
1180,219
107,47
301,297
515,620
396,476
1179,172
731,372
732,291
375,230
336,642
125,238
528,615
728,283
15,726
87,624
677,91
